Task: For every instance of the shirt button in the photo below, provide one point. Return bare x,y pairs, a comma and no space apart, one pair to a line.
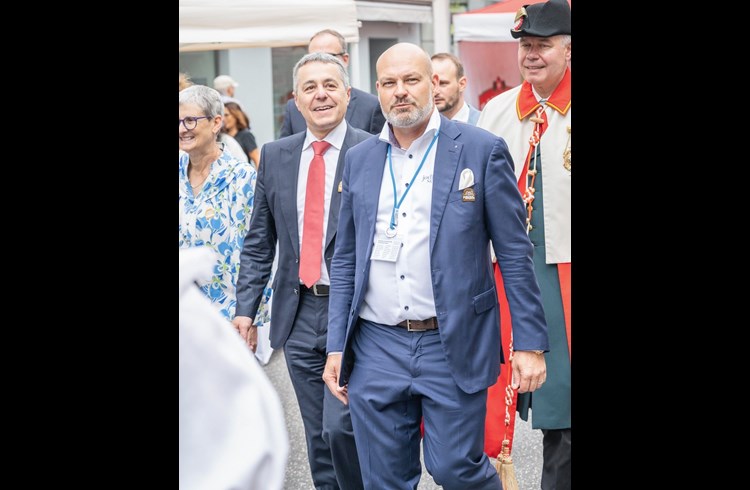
406,308
410,155
402,276
403,214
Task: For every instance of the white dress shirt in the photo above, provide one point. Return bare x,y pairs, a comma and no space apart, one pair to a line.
462,115
402,290
539,98
331,157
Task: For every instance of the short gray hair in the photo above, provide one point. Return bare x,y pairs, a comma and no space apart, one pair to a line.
322,58
336,34
208,99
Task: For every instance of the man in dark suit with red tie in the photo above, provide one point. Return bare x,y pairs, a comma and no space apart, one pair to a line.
297,199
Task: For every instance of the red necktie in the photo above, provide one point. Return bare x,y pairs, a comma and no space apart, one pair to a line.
312,227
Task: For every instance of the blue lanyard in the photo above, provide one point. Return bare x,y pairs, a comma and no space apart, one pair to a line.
396,206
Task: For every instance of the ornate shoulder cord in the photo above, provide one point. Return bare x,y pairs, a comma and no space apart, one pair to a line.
566,153
528,194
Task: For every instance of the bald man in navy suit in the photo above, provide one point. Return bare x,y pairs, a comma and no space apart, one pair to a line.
413,313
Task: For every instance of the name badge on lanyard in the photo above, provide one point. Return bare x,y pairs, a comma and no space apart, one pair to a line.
386,249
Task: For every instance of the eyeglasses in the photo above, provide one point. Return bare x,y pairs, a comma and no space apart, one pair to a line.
191,122
337,54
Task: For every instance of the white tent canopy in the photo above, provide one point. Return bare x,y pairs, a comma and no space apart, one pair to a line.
225,24
491,23
483,27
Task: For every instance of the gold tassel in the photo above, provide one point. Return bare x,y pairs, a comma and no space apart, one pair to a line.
504,467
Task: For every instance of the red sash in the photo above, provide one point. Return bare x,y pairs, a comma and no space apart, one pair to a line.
495,428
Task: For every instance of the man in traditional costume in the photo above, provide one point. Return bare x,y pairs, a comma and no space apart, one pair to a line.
534,119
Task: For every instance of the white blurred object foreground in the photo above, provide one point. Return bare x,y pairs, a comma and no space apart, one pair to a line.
232,430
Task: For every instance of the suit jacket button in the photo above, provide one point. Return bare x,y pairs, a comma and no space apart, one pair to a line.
296,261
296,291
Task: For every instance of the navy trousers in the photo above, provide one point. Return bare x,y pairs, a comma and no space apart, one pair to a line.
398,377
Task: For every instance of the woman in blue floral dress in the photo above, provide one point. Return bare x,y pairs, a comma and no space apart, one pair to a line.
216,194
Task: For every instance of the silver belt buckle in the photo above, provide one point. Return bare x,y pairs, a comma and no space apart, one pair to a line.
315,290
408,327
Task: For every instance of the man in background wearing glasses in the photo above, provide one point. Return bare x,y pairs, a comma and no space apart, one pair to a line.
364,109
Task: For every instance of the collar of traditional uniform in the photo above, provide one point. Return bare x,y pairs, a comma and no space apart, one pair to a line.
526,103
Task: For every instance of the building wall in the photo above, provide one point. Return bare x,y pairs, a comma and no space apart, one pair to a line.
252,69
383,31
200,66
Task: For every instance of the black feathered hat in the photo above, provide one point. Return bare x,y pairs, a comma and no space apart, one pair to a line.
542,19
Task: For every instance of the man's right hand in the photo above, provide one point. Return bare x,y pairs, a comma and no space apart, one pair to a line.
529,371
331,378
248,331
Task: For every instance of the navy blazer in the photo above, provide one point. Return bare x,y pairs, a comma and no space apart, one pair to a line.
275,218
363,113
463,283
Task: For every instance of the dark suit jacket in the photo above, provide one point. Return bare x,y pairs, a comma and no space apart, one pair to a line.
363,113
275,218
462,277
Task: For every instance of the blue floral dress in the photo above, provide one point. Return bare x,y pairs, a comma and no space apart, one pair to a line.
218,217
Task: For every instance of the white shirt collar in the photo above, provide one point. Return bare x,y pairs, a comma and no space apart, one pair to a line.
335,137
538,97
386,134
463,114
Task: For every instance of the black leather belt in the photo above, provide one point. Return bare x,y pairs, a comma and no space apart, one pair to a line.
420,325
317,289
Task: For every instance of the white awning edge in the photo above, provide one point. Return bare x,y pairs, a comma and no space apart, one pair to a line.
226,24
393,12
483,27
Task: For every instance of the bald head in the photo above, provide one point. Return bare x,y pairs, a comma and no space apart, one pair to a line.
405,54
